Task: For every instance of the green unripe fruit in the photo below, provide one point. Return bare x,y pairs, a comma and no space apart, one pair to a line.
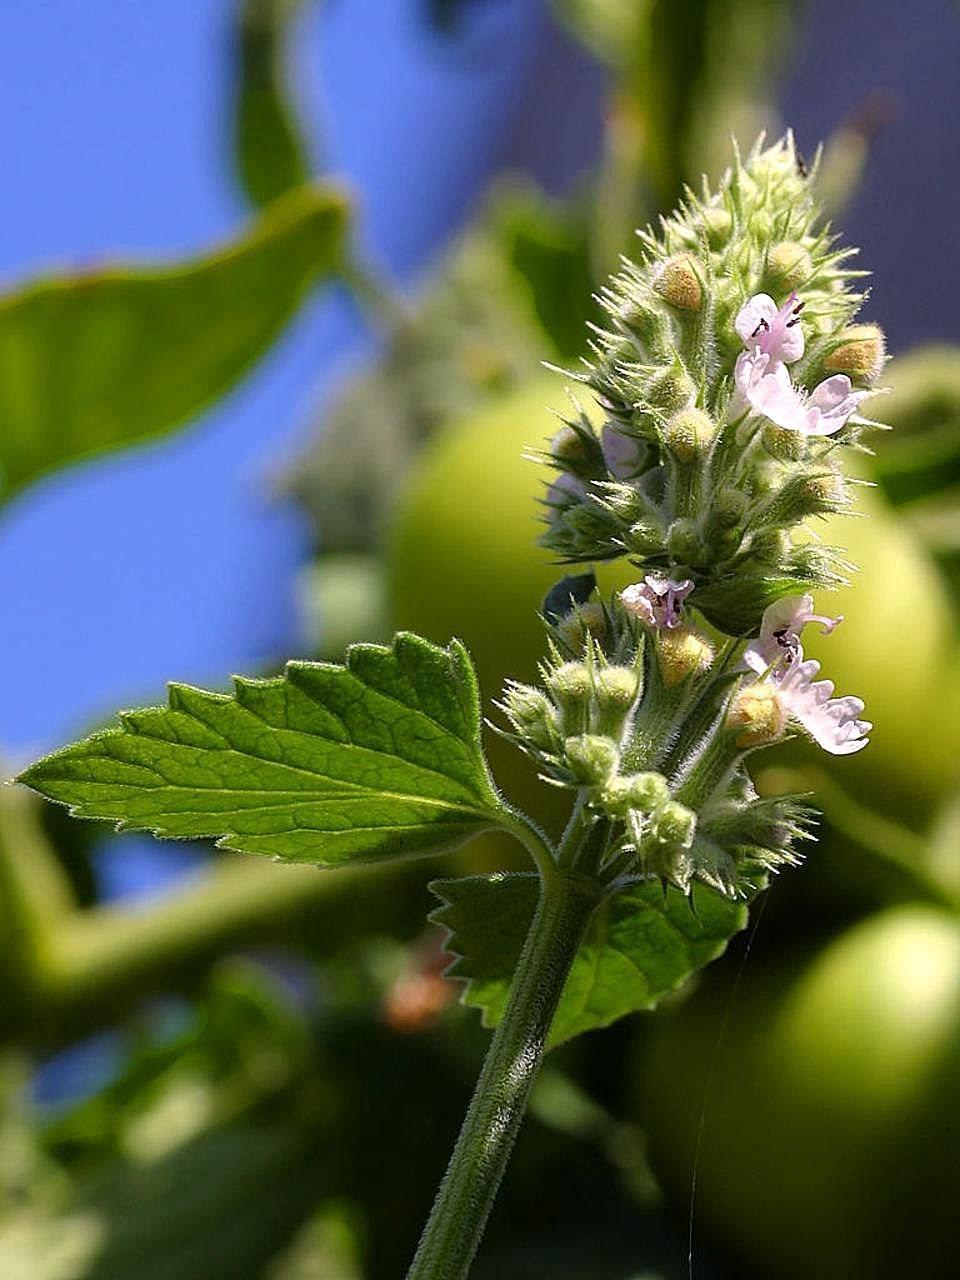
573,450
789,265
690,434
647,791
684,542
644,539
678,282
591,759
616,688
861,353
728,508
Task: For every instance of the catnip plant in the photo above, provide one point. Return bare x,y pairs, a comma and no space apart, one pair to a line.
724,387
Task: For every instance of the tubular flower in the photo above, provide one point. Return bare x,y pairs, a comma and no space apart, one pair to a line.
777,657
833,723
765,330
657,601
779,639
774,339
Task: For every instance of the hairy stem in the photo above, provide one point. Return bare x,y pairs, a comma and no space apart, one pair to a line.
452,1234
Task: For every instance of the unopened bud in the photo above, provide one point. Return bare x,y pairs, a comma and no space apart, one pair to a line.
684,652
674,824
761,226
634,792
784,444
861,353
577,452
719,225
531,714
586,619
689,434
684,542
591,759
756,715
616,687
644,539
670,389
570,684
728,508
643,322
788,266
678,281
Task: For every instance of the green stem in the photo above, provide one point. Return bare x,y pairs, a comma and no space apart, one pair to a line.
452,1234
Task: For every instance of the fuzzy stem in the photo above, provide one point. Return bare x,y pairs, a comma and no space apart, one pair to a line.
460,1211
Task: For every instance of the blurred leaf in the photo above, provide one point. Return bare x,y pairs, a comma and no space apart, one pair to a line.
117,355
326,764
642,943
922,455
271,156
547,245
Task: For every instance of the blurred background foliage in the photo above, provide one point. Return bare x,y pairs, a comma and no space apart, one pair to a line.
257,1071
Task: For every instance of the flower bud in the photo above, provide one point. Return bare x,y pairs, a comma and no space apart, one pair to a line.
683,652
728,508
591,759
616,688
719,225
756,716
689,434
634,792
783,444
531,714
788,266
570,684
684,542
669,389
572,449
678,281
860,354
643,323
644,539
586,619
674,824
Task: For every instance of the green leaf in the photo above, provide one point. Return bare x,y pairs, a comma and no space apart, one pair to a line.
116,355
325,764
642,943
270,153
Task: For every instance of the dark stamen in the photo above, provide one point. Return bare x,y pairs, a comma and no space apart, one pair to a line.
762,325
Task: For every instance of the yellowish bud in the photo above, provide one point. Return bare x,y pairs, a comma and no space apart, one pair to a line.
690,433
756,715
861,353
789,265
784,444
678,280
684,652
586,619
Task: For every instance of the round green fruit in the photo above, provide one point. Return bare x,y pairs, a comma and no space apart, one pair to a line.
830,1138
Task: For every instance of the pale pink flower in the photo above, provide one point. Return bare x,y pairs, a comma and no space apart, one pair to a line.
779,638
833,723
657,601
777,657
766,330
767,389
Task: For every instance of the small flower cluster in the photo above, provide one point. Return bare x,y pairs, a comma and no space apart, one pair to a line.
710,455
614,720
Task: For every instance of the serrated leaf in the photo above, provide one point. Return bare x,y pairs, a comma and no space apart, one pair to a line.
642,943
270,152
92,361
325,764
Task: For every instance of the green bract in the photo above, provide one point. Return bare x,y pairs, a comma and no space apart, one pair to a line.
326,764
